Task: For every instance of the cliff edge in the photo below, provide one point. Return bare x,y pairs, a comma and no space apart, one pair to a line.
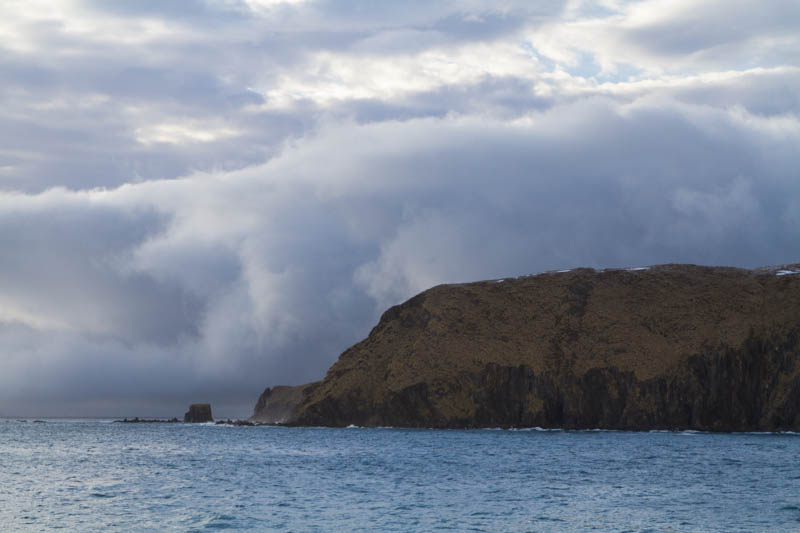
664,347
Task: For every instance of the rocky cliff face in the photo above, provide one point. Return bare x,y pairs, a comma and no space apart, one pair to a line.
668,347
275,405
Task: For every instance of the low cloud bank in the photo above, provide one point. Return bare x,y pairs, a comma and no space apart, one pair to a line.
216,285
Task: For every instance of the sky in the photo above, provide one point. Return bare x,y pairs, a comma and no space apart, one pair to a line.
200,199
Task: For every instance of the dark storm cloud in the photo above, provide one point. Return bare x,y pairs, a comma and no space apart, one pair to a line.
60,263
203,199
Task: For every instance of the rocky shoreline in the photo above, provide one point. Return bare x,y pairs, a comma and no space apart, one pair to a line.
137,420
197,414
227,422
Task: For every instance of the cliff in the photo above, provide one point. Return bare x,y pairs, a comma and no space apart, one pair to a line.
668,347
275,404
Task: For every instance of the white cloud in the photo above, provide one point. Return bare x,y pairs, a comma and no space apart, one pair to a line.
177,133
660,36
329,78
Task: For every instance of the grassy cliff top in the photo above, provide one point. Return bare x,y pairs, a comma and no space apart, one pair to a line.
644,320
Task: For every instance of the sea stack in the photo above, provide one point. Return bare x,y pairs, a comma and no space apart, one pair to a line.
198,413
661,347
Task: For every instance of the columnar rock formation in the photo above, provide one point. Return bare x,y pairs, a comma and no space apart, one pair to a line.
667,347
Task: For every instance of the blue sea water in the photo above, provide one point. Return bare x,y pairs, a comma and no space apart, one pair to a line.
88,475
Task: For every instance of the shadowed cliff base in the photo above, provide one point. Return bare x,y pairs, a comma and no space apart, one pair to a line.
664,347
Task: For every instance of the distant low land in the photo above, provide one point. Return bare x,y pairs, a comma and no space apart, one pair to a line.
662,347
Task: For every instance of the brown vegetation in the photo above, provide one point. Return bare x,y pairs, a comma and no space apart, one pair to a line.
672,346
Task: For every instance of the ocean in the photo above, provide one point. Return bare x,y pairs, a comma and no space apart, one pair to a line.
93,475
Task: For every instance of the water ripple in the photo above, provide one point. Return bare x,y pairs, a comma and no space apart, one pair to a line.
90,476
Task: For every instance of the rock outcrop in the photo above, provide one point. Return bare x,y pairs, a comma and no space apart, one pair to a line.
275,405
137,420
667,347
198,413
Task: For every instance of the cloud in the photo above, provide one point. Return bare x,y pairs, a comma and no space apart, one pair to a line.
674,36
225,195
267,273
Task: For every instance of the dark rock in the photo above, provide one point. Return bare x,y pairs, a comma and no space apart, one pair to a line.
198,413
138,420
230,422
276,404
669,347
